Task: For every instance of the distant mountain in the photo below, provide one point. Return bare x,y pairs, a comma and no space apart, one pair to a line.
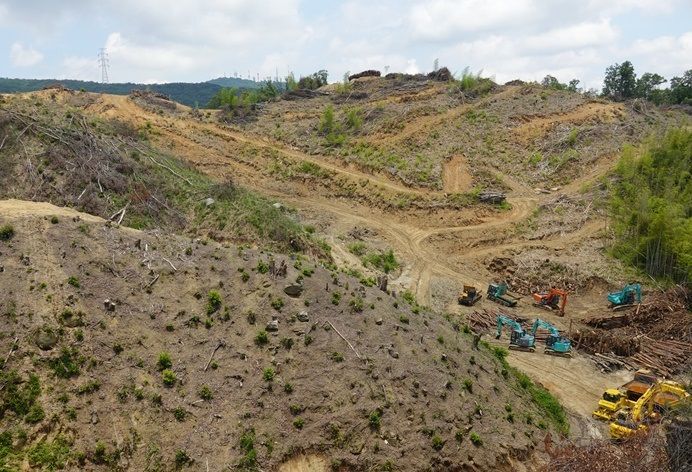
190,94
235,82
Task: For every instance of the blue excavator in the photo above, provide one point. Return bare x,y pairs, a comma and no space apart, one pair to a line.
555,344
519,340
628,296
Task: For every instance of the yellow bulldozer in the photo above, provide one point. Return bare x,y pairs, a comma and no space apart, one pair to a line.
664,393
615,399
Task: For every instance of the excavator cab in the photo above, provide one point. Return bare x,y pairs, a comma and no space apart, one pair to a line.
519,340
629,295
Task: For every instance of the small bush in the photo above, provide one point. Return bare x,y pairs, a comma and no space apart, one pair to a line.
296,409
336,298
180,414
268,374
169,378
205,393
336,357
476,439
35,414
288,388
164,361
6,232
74,281
299,423
468,385
213,302
277,303
287,343
49,455
262,338
54,220
437,442
375,419
357,248
356,304
182,459
67,364
262,267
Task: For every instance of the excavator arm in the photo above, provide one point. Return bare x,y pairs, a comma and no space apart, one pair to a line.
506,320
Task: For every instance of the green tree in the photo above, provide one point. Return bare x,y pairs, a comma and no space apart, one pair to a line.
647,87
620,81
681,88
551,82
314,81
573,85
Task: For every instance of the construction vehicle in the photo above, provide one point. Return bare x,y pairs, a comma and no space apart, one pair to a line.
628,296
554,299
555,345
469,296
519,340
499,293
615,399
663,393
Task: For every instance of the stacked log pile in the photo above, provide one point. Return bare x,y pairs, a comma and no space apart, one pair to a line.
656,335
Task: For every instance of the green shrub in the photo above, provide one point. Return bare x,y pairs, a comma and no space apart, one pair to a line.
88,387
6,232
268,374
354,119
51,455
54,220
336,298
164,361
182,459
287,343
67,364
180,414
357,248
262,267
299,423
437,442
205,393
336,357
476,439
261,339
277,303
288,388
375,419
74,281
247,446
356,304
468,385
213,302
169,378
35,414
384,261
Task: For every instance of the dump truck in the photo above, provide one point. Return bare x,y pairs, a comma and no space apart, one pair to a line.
469,296
499,293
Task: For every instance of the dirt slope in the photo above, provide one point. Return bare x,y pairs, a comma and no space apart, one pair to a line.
105,400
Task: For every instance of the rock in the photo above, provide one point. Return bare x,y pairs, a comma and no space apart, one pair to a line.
209,202
109,305
303,316
393,353
293,290
378,321
94,417
273,325
278,206
46,339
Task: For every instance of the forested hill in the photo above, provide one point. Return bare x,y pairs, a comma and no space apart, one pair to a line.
186,93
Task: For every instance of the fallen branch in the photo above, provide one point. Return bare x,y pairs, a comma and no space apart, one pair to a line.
218,346
342,337
152,282
9,354
171,264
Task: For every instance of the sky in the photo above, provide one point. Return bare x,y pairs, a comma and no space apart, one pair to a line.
196,40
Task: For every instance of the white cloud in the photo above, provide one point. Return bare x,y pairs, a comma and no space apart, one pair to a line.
24,56
666,55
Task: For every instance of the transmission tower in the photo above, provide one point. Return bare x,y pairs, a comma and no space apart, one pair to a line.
103,63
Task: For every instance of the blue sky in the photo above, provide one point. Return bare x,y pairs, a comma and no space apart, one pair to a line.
188,40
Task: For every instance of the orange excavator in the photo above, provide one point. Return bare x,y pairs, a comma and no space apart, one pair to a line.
554,299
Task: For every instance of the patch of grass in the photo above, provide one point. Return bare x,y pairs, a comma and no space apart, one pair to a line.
287,343
357,304
35,414
336,298
298,423
180,414
247,447
89,387
67,364
288,388
375,419
358,248
262,267
468,385
384,261
336,356
18,395
74,281
49,455
437,442
182,459
277,303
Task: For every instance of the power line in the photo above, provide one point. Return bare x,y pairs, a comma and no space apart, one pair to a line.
104,64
